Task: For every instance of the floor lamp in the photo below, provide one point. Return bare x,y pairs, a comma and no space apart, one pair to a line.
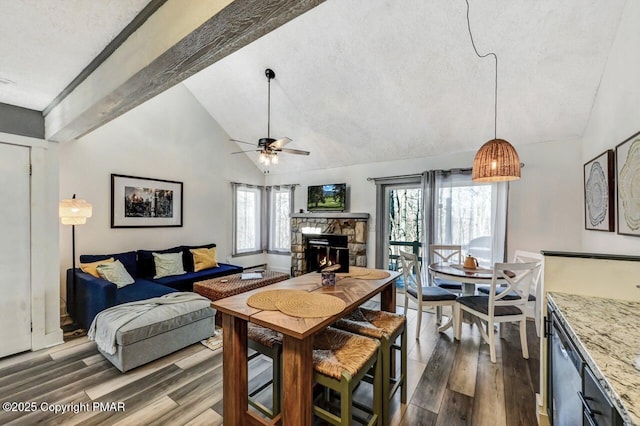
73,212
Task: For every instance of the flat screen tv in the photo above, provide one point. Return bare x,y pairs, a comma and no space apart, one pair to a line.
331,197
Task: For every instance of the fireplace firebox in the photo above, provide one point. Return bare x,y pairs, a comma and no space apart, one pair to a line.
324,250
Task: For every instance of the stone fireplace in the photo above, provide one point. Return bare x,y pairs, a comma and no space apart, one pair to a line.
324,250
310,226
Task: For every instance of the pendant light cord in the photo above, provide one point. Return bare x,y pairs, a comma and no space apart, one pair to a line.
268,107
495,103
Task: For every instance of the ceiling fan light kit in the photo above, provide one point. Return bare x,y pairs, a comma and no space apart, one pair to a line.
497,160
268,148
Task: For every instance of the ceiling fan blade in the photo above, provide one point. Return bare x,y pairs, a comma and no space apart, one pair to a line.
294,151
250,150
279,143
248,143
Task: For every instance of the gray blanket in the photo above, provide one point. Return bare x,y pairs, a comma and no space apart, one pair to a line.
107,323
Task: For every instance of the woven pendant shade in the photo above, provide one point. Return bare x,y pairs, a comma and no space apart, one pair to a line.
496,161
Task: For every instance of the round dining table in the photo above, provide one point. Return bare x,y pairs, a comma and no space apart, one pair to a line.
467,276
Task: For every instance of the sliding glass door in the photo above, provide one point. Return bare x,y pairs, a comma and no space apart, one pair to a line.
400,221
403,222
463,215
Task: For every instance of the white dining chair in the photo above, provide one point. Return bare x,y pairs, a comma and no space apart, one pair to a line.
429,295
503,303
446,253
532,307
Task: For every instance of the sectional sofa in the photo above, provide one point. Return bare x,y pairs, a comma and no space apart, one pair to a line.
90,295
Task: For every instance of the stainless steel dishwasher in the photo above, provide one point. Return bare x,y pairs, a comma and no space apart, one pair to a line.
565,379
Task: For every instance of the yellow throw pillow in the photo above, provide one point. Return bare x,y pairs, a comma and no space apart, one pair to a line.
204,258
90,268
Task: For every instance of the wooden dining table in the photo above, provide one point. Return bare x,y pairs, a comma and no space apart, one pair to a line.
297,350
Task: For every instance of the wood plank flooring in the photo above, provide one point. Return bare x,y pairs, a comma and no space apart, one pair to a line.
449,383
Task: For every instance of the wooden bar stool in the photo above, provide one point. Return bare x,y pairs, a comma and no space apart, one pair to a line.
386,327
265,341
340,361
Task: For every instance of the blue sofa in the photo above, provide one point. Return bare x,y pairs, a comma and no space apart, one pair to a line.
91,295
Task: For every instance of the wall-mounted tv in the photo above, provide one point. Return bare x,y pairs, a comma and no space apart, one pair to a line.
331,197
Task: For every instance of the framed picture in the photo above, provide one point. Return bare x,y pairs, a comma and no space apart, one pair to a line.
138,202
628,182
598,193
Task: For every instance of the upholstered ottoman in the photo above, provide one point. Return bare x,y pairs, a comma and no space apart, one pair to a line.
221,287
161,331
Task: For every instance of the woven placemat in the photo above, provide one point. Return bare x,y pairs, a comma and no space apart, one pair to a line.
354,271
374,274
310,305
266,300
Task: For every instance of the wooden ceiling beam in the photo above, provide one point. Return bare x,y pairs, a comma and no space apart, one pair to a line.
236,25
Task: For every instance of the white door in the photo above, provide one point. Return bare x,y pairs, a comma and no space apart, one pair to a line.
15,288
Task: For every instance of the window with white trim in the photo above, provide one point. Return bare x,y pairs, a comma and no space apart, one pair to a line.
247,219
261,218
280,208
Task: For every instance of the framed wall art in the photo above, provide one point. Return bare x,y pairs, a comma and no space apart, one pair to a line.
138,202
628,183
598,193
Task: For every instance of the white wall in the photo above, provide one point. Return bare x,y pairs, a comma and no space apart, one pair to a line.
169,137
615,117
543,205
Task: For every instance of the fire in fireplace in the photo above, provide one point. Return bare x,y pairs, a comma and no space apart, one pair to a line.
324,250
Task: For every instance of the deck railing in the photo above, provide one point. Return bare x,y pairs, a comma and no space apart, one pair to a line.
394,256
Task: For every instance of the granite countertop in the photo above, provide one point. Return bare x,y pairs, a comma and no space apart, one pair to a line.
607,333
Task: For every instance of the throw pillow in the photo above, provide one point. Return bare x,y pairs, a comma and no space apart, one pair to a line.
90,268
204,258
168,264
116,273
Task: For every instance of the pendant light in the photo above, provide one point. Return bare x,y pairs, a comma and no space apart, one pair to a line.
496,160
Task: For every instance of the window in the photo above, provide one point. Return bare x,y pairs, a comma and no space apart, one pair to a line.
280,208
261,218
468,213
247,216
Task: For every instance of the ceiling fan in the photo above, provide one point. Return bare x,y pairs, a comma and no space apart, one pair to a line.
268,148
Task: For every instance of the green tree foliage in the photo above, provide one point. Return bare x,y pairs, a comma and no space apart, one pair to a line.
316,196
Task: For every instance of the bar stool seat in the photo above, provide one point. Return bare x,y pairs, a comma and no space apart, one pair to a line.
340,361
265,341
386,327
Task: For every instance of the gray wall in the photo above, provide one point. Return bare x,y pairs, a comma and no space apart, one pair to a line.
21,121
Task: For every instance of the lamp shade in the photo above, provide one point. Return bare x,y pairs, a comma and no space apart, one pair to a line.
496,161
74,211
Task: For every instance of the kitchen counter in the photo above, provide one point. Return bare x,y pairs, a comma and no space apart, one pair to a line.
607,334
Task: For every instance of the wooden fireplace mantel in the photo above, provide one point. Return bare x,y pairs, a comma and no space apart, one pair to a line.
330,215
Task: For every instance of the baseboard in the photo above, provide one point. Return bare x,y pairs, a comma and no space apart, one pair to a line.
259,266
541,414
48,340
283,270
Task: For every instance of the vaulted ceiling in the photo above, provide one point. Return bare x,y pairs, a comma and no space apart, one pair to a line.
45,44
359,81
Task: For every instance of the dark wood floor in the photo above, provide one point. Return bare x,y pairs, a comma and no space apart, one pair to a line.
450,383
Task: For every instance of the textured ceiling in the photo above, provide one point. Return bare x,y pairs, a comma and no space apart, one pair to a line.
45,44
357,81
363,81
